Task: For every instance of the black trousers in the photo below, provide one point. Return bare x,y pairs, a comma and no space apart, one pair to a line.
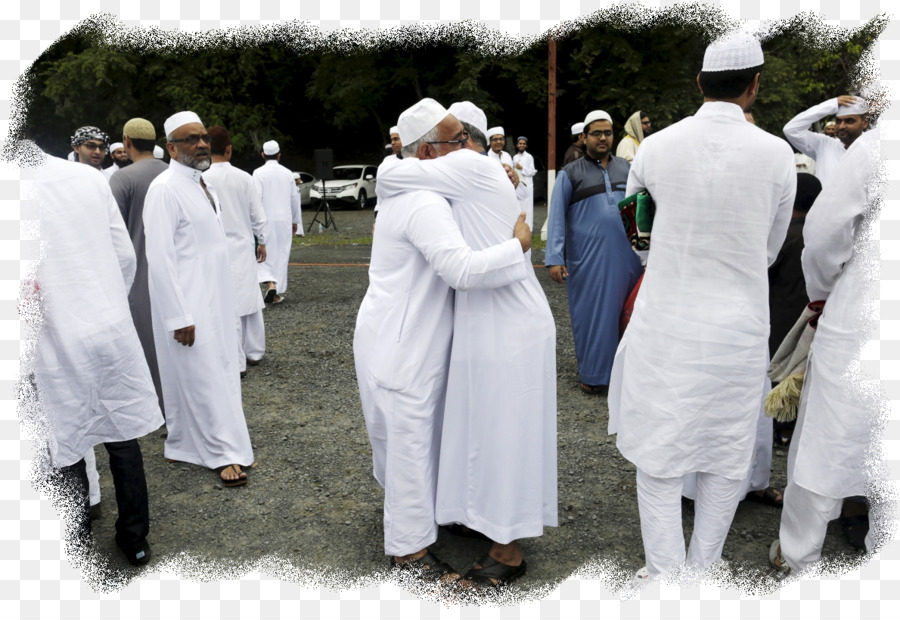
126,463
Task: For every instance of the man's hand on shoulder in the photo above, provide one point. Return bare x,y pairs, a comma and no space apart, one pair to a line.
522,232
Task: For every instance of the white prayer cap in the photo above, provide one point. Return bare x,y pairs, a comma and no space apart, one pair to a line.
830,124
596,115
419,119
296,175
388,145
732,52
394,130
158,152
116,145
468,112
180,120
859,107
71,156
577,128
495,131
271,148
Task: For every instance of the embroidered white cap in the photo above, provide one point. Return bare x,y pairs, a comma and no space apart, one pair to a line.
394,130
419,119
271,148
596,115
859,107
116,145
577,128
740,50
180,119
495,131
468,112
158,152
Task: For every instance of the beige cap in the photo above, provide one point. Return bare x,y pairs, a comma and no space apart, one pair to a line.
139,129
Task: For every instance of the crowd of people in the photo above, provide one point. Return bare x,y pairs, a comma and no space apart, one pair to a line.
153,312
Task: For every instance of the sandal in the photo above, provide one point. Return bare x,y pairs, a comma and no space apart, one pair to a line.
429,567
855,529
594,389
776,559
242,479
493,574
270,295
770,496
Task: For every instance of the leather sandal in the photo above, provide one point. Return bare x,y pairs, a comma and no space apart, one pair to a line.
492,570
429,567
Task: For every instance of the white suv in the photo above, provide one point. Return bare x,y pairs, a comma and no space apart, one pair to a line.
350,185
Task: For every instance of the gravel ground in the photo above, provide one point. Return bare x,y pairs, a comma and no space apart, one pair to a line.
312,511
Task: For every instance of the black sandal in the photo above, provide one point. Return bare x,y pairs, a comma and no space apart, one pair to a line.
492,569
429,567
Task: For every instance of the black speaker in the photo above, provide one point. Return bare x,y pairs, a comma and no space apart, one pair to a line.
324,163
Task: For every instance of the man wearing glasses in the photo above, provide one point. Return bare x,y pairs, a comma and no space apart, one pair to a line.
195,322
89,145
588,250
401,344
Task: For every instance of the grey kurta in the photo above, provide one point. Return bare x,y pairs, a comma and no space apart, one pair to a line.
129,187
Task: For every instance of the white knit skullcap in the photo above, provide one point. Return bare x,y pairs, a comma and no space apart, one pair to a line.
859,107
495,131
468,112
158,152
271,148
732,52
577,128
180,119
394,130
116,145
419,119
596,115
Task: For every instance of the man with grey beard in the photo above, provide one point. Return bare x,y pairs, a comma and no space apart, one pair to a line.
195,324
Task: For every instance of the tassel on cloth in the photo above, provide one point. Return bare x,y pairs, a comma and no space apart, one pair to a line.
783,402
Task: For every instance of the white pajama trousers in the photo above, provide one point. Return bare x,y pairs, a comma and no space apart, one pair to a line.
253,338
804,520
659,503
90,464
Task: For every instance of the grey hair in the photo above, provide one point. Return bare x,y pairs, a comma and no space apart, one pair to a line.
475,135
410,150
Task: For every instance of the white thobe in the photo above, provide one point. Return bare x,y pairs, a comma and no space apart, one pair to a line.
500,413
281,202
90,370
526,182
826,150
838,411
190,284
108,172
401,347
503,157
689,373
242,217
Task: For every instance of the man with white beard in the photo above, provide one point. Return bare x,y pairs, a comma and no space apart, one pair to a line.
402,341
502,369
281,202
243,217
195,324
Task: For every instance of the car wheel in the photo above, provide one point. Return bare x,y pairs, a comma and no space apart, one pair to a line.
361,199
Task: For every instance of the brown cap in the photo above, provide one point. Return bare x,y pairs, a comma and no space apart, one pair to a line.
139,129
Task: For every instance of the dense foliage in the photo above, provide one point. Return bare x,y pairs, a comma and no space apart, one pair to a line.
310,89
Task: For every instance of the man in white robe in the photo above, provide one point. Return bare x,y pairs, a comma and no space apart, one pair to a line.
92,378
497,138
835,422
402,341
120,159
688,377
195,324
824,149
523,163
281,202
501,375
243,217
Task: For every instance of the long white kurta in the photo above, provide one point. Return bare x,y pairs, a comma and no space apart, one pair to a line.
90,370
190,284
242,217
827,151
402,350
688,375
834,424
526,182
500,413
281,202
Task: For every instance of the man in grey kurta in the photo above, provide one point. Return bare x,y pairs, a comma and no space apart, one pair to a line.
129,187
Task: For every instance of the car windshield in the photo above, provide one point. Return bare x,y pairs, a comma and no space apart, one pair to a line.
347,174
